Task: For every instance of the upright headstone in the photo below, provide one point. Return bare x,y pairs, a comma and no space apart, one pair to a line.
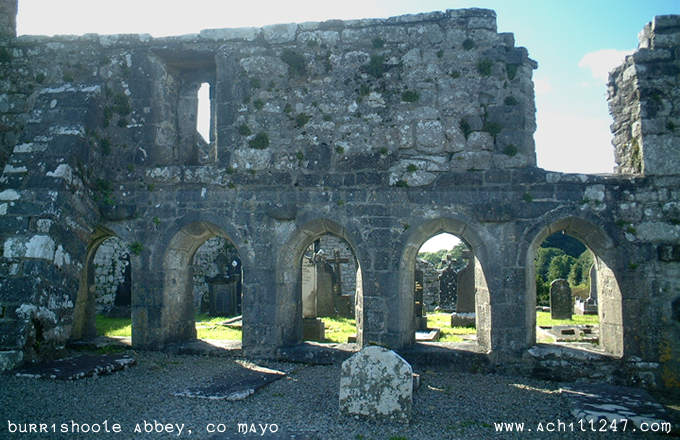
376,383
560,299
447,287
465,286
308,288
593,284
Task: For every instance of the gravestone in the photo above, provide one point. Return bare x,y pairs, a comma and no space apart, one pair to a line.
447,287
560,299
593,284
312,327
376,383
465,286
420,320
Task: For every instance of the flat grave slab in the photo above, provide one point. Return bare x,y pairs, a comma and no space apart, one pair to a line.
611,403
77,367
236,385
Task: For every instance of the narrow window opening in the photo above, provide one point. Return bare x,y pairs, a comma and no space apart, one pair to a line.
203,117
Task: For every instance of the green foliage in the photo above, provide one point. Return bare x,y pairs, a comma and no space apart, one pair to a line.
5,55
410,96
244,130
327,118
484,67
401,184
105,145
493,128
339,149
376,66
364,90
378,43
510,150
287,108
559,267
528,197
511,70
510,100
40,78
301,119
440,53
635,156
543,258
296,62
580,271
258,103
465,128
454,74
468,44
260,141
299,155
670,126
156,221
411,168
121,104
383,150
136,248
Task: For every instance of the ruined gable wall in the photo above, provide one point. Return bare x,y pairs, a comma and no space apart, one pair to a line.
643,99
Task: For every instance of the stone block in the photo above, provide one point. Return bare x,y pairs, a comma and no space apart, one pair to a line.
313,329
376,383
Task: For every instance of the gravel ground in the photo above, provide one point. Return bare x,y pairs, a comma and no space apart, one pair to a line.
448,405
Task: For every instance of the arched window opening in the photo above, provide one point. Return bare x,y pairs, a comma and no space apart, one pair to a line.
444,291
567,293
330,289
217,280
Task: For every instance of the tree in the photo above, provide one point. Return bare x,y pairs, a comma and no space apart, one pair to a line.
559,267
580,271
543,258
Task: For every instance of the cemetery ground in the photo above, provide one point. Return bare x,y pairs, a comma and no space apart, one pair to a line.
449,404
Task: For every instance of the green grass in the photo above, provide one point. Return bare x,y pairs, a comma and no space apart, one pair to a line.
113,326
338,329
543,319
442,321
207,327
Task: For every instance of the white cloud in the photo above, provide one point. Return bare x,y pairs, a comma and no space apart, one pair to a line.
600,62
573,142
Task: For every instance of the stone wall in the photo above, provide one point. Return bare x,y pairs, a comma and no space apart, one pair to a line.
380,132
643,97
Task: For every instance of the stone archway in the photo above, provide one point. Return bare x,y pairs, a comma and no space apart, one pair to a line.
177,311
84,312
403,323
610,310
289,279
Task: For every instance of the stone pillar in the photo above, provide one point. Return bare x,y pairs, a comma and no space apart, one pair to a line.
560,299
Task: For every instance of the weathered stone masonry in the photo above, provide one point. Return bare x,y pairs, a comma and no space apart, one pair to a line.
381,132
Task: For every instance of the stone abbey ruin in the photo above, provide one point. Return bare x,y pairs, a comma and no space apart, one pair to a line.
382,132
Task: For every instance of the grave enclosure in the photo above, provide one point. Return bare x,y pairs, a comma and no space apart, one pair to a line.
382,132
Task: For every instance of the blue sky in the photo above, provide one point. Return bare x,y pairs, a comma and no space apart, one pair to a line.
575,43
